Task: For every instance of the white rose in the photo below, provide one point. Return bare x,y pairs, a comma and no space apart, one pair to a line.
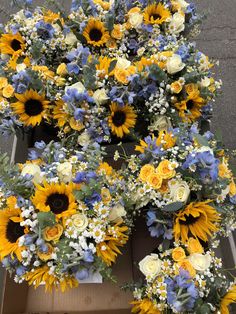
177,23
64,171
160,123
200,262
20,67
150,266
33,170
123,63
100,96
117,212
70,39
183,4
205,82
136,19
174,64
79,221
179,192
84,139
79,86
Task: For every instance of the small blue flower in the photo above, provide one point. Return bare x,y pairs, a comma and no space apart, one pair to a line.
88,256
73,68
82,274
79,114
44,30
20,271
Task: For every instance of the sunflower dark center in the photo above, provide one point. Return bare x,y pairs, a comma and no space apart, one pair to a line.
14,231
95,34
189,220
155,16
119,118
58,203
33,107
190,104
15,45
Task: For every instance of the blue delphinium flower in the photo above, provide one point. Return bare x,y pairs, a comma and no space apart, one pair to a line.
206,165
181,292
88,256
82,274
183,52
21,81
44,30
158,229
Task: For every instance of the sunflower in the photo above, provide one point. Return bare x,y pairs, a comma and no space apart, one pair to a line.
115,237
156,14
11,230
144,306
121,119
95,33
42,275
229,298
12,44
190,108
198,219
57,198
30,107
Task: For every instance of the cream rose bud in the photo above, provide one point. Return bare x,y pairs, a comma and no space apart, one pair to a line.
179,192
174,64
200,262
84,139
64,172
20,67
33,170
177,23
205,82
160,123
183,4
136,19
100,96
117,212
150,266
79,221
79,86
70,39
123,63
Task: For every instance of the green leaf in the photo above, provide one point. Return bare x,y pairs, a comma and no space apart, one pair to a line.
36,50
64,248
157,74
201,140
46,219
192,77
112,66
110,20
173,207
204,309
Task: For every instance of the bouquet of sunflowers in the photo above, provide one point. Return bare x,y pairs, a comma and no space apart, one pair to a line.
111,72
63,217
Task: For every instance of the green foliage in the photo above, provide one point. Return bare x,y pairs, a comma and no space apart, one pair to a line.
112,66
192,77
201,140
46,219
10,175
64,249
90,75
35,81
157,74
110,20
36,50
174,207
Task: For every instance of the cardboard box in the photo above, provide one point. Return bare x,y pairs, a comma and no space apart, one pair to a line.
104,298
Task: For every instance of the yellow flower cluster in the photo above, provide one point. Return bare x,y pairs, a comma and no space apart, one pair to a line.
156,177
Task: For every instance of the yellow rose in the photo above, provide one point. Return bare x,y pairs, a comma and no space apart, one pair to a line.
62,70
146,171
8,91
53,233
176,87
117,32
165,169
186,265
111,43
3,82
155,181
46,256
194,246
232,188
122,75
191,88
178,254
106,196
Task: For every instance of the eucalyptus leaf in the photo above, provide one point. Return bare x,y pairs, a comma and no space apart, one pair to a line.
112,66
157,74
46,219
204,309
201,140
174,207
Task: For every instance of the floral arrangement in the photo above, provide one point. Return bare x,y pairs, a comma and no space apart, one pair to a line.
100,72
184,279
63,217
